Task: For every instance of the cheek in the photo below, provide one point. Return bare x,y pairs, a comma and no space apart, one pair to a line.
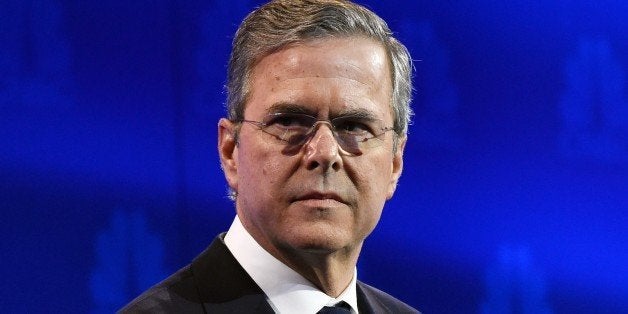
260,170
374,176
250,173
373,184
271,170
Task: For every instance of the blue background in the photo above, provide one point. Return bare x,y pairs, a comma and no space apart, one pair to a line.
514,193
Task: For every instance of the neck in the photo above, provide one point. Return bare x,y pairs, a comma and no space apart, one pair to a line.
331,272
329,269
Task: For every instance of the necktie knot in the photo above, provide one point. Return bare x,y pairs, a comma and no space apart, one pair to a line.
339,308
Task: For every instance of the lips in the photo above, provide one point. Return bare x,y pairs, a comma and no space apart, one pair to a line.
320,196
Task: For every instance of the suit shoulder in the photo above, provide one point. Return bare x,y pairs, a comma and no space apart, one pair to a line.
165,297
387,301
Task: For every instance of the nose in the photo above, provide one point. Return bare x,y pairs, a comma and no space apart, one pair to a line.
322,151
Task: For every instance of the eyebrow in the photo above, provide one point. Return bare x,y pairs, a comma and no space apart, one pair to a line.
359,113
289,107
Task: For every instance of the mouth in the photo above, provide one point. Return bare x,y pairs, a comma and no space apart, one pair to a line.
320,196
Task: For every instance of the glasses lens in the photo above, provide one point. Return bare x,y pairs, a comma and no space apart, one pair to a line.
348,143
353,134
292,128
356,133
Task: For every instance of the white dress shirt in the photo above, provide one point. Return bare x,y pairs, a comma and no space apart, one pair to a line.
286,291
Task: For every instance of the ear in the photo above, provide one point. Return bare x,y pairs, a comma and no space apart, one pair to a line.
397,166
228,151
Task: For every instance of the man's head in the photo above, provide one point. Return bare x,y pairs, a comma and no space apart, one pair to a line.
287,22
316,89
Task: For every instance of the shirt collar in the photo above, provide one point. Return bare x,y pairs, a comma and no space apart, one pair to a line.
286,290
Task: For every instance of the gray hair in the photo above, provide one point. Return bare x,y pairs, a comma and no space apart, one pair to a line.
280,23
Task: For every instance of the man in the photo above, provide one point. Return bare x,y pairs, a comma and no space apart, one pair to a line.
318,101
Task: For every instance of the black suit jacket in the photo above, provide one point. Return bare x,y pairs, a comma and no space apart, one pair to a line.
216,283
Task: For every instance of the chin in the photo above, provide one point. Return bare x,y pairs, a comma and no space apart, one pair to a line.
319,248
319,239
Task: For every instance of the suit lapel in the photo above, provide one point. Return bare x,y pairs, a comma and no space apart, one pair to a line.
369,303
223,285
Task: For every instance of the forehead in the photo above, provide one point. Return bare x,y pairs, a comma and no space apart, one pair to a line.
327,76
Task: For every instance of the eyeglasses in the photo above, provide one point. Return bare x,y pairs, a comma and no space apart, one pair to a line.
354,133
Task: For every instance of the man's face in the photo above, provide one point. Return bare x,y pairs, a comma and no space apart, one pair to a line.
317,197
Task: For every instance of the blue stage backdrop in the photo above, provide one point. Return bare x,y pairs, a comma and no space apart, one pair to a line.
514,196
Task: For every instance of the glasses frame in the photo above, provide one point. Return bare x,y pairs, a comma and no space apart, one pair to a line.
374,139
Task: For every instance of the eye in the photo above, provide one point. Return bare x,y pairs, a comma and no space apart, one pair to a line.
352,126
289,120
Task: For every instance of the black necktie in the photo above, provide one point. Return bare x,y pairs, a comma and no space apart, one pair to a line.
340,308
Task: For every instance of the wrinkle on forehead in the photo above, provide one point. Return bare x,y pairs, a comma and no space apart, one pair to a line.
344,73
336,77
347,95
296,61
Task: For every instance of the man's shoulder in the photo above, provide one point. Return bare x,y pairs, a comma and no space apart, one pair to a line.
167,296
214,281
382,301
